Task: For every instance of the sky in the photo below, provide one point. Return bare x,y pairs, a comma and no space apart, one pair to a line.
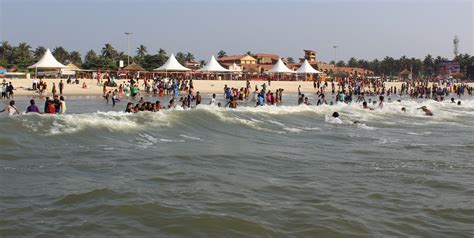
365,29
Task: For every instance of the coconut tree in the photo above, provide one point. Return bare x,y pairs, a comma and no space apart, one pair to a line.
6,51
141,51
90,61
22,56
39,52
221,54
61,54
108,51
180,57
75,58
189,57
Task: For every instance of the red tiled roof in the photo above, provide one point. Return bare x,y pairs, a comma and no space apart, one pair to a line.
231,57
267,55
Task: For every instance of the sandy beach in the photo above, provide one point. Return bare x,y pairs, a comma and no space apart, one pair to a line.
22,86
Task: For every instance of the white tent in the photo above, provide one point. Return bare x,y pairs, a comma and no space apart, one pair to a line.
172,65
213,66
47,62
280,67
306,68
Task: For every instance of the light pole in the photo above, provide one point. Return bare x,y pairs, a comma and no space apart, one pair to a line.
128,45
335,57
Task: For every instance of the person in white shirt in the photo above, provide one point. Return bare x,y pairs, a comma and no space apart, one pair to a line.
213,100
11,109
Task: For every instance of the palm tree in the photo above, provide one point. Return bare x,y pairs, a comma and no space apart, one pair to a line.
5,50
75,58
221,54
61,54
189,57
141,51
108,51
202,63
161,57
39,52
180,57
22,56
90,61
290,60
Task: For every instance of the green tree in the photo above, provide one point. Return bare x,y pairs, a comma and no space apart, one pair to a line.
202,63
180,57
189,57
61,54
352,62
141,51
6,52
75,58
109,52
90,61
290,60
428,65
22,56
341,64
221,54
39,52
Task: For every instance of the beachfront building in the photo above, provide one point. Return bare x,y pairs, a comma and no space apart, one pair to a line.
237,59
265,58
192,64
310,56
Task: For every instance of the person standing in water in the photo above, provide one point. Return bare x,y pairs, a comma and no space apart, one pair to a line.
63,105
381,102
198,98
213,100
11,109
32,108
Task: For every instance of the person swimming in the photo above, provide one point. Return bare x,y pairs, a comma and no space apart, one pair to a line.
335,118
364,106
426,110
404,109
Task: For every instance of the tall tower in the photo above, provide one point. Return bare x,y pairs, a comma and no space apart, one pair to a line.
456,45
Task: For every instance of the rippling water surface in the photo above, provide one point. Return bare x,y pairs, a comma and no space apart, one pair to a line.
252,172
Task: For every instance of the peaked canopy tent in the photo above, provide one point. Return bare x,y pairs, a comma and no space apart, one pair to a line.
47,62
213,66
306,69
280,67
172,64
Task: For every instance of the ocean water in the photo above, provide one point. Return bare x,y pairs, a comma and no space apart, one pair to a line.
271,171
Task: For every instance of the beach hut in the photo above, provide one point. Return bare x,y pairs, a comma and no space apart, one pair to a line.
47,62
133,67
405,74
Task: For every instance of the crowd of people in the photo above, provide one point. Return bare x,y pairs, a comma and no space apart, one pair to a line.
182,94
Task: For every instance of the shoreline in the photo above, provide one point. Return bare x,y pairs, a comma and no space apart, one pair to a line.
22,86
